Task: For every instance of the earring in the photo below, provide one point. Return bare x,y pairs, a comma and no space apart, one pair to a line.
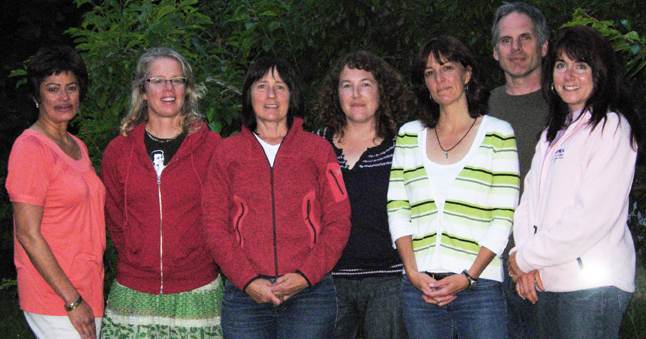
466,86
36,104
553,90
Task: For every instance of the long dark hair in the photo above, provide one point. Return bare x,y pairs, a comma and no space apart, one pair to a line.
610,93
446,48
257,71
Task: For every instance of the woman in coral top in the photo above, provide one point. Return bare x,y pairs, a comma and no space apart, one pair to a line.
58,206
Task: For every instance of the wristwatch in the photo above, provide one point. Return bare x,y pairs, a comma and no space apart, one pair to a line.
472,281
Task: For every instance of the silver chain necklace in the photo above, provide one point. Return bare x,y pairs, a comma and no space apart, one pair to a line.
446,151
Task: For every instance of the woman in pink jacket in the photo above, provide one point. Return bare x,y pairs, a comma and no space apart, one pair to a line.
574,256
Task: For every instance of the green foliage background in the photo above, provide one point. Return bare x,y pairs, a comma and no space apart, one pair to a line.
222,38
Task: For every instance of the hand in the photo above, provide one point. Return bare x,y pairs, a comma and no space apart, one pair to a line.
288,285
260,291
515,273
445,290
422,282
82,319
526,286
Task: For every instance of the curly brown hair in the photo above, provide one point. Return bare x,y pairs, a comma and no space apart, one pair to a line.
395,98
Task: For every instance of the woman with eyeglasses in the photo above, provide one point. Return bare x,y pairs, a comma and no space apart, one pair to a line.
167,284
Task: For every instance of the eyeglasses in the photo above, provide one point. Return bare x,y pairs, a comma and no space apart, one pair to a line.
160,82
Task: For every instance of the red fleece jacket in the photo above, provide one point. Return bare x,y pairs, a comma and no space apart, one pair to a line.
156,226
264,221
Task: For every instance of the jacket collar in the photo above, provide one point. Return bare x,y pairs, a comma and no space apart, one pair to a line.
297,126
189,145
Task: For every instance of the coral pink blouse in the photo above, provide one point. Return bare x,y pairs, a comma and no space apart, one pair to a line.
73,224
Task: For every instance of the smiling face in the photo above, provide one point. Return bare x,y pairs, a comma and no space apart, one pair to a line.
518,49
445,81
59,98
573,81
270,98
164,100
358,95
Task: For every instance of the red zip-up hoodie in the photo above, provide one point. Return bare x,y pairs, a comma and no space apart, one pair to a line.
155,224
264,221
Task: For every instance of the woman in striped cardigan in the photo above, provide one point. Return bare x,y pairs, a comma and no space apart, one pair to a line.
453,188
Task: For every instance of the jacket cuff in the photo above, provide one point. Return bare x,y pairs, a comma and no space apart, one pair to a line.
244,289
309,284
522,264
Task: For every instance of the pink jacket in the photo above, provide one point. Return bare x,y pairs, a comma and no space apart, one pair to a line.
571,221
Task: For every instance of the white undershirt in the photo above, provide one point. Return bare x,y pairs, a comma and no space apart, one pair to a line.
270,150
441,176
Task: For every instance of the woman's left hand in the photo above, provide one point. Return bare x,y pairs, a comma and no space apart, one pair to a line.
445,290
515,273
82,318
288,285
526,286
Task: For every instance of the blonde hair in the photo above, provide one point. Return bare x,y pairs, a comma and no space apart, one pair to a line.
138,110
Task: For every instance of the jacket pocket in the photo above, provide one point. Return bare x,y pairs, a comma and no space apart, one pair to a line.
242,209
311,218
142,250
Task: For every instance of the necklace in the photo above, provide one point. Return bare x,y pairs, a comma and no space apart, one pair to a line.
162,141
446,151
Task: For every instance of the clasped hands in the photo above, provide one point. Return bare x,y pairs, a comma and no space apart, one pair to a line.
264,291
526,283
439,292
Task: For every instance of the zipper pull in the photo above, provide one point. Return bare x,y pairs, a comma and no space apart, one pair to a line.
535,229
580,262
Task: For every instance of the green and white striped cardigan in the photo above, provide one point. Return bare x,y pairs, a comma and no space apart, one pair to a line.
479,207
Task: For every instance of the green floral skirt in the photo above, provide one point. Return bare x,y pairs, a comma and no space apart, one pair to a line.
192,314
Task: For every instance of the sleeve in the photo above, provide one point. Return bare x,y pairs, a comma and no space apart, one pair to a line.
399,211
335,219
217,201
29,171
599,203
522,230
114,197
504,190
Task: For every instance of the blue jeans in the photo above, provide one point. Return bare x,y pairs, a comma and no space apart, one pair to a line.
591,313
479,312
369,307
520,311
310,313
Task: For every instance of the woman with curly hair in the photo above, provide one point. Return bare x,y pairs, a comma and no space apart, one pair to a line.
167,284
453,188
360,107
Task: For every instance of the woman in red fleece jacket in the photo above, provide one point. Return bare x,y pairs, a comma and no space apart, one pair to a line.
276,215
167,284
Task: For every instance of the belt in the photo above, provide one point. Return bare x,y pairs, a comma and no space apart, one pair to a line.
438,276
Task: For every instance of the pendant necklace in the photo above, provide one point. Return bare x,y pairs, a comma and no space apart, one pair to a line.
446,151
